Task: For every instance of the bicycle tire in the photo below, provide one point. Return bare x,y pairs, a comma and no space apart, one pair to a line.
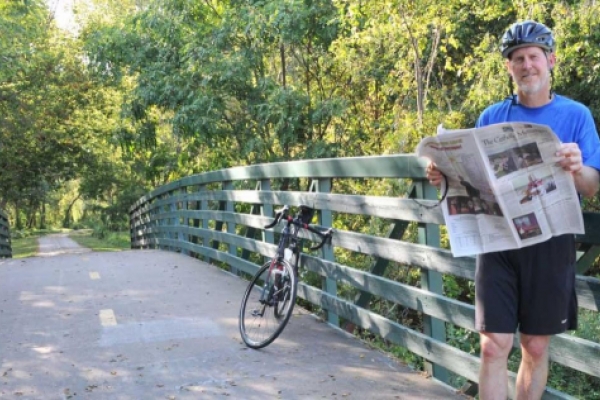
260,323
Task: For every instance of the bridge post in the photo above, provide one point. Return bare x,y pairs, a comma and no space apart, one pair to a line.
195,222
429,234
326,220
266,210
158,221
149,223
181,221
5,243
172,220
205,222
134,225
230,208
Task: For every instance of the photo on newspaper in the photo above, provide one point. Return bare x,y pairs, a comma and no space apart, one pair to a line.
505,189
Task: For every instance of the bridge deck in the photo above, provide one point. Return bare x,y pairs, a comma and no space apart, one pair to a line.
158,325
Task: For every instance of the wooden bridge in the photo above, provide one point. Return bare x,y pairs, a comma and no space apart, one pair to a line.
218,217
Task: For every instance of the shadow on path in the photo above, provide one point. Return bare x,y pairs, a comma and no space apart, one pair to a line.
159,325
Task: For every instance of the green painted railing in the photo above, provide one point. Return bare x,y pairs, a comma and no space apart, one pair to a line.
219,217
5,244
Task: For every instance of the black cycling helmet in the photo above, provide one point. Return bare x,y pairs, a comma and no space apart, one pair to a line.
524,34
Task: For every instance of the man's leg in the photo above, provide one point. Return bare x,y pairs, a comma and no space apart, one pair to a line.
493,375
533,371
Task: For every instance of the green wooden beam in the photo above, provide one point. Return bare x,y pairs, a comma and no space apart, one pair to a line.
429,234
386,166
588,258
380,265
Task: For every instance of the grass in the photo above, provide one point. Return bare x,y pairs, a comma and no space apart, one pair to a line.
113,241
24,247
25,244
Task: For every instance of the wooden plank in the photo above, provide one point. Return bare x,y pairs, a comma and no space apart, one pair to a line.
591,223
576,353
386,166
587,260
377,206
588,292
263,248
423,256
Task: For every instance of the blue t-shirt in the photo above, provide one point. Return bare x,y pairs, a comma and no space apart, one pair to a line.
570,120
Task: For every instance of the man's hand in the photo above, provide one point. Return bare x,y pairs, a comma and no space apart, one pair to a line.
434,175
570,157
587,179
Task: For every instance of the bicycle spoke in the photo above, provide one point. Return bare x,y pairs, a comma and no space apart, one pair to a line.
267,305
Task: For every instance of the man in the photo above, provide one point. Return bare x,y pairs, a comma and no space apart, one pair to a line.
531,289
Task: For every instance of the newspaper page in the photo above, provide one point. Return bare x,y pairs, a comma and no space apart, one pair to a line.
505,188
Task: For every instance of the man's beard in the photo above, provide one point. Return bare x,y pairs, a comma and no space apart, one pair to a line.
535,87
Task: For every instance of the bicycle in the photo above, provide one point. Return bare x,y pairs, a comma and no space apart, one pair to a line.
270,297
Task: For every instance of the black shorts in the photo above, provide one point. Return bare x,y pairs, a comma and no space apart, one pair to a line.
532,288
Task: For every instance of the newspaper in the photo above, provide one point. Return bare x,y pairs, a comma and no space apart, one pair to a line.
505,188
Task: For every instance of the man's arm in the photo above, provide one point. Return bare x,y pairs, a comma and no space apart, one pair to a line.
587,179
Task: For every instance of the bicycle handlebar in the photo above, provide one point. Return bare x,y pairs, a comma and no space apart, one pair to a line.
283,214
326,238
278,214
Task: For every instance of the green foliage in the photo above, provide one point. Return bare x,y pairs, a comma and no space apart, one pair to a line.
107,241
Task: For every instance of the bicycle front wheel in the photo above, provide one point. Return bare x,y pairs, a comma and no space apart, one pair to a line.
267,304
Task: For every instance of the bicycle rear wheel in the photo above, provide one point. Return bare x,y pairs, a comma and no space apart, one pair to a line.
267,304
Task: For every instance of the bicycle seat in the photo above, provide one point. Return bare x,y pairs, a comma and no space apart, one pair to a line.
306,213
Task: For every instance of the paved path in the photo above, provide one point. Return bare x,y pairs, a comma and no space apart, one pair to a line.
159,325
58,243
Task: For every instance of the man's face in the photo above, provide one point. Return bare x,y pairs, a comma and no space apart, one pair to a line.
530,69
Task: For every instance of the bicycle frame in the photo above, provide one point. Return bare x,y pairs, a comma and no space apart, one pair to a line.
288,240
277,280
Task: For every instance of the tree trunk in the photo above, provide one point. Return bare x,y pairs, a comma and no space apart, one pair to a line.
31,217
43,216
18,222
67,219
